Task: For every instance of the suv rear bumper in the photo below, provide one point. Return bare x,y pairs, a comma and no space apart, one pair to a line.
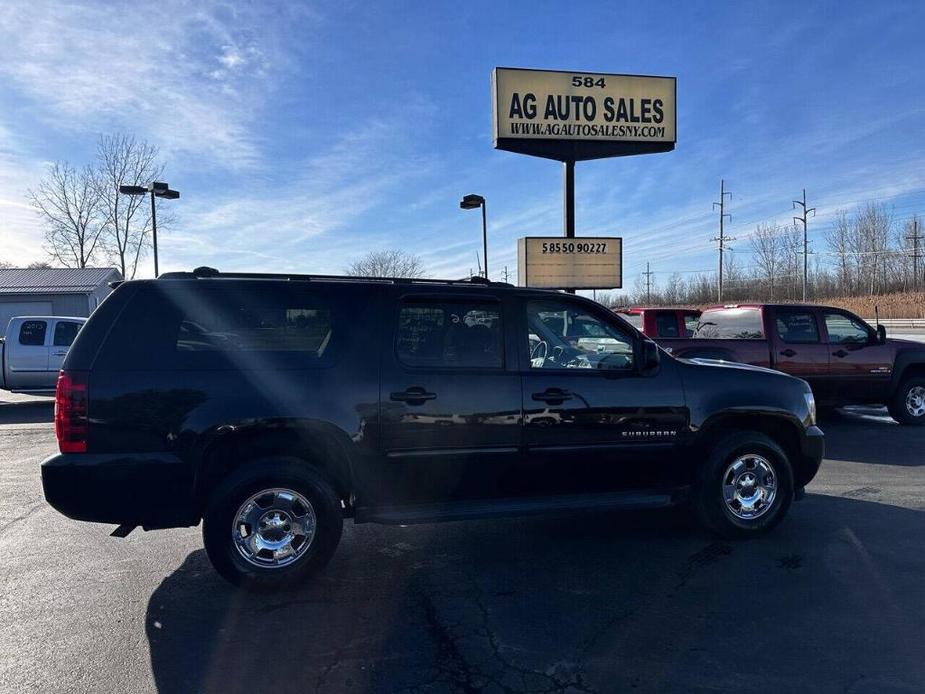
153,490
812,451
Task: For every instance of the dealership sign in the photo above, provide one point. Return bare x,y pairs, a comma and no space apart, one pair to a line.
572,116
554,262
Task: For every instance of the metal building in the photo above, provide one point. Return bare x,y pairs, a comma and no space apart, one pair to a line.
52,291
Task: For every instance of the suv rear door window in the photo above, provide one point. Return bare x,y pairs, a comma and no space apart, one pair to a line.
731,324
797,327
32,333
666,325
441,334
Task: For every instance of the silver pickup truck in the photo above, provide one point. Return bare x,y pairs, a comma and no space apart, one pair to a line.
33,350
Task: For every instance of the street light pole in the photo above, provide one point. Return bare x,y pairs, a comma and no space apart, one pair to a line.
157,189
154,231
470,202
485,238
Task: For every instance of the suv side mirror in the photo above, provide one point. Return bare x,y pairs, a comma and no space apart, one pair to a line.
881,335
650,355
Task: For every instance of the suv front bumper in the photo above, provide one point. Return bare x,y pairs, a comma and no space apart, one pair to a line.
154,490
812,451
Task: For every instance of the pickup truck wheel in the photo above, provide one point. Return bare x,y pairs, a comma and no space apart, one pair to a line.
271,524
908,405
745,487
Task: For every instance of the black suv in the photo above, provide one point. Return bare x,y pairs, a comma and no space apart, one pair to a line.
271,407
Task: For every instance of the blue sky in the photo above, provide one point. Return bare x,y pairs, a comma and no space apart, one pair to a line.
302,135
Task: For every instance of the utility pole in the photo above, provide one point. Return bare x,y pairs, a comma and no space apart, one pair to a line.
915,238
505,274
803,218
648,273
722,238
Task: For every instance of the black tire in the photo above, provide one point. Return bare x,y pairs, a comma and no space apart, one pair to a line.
708,500
898,407
241,485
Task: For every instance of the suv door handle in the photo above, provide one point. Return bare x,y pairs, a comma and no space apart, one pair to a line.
553,396
415,395
788,352
840,353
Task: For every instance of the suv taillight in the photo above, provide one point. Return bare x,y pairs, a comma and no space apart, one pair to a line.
71,412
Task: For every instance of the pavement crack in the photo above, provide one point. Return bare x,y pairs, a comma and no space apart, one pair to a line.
710,554
32,509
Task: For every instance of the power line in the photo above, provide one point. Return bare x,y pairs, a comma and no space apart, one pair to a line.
722,238
915,237
802,218
648,273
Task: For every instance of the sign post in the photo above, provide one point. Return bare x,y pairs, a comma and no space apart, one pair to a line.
574,116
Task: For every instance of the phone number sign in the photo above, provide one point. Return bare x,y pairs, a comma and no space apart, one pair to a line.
553,262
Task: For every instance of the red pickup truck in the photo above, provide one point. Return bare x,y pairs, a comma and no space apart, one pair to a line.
845,360
661,322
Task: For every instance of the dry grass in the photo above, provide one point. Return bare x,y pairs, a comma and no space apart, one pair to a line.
899,305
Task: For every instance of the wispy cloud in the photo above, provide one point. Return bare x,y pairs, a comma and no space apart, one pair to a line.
192,77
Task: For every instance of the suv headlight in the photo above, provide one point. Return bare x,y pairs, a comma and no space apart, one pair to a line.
810,406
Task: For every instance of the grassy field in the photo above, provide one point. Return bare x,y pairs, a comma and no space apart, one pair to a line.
900,305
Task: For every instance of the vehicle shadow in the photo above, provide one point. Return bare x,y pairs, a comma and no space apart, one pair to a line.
830,601
33,412
870,435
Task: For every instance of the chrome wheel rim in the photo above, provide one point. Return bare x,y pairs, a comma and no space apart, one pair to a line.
749,486
915,401
274,528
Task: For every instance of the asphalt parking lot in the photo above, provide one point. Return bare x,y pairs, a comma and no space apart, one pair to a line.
831,601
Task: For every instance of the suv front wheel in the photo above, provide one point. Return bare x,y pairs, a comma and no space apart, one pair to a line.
745,486
272,524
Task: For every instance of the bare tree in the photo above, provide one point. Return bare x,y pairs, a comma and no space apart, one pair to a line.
4,265
766,248
387,264
69,204
839,241
123,160
40,265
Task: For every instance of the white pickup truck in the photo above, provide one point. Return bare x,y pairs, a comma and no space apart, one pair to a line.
33,350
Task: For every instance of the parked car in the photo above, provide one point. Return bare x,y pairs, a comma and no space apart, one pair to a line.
33,351
661,321
297,401
845,360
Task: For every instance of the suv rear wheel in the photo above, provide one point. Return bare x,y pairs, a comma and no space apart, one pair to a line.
745,487
272,524
908,405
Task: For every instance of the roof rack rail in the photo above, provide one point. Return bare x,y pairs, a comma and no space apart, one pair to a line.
205,272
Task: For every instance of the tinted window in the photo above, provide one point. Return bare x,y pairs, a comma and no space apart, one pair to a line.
690,324
666,325
843,329
797,327
565,335
224,325
441,334
65,332
254,326
32,332
731,323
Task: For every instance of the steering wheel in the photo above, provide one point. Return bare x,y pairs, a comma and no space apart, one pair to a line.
535,354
